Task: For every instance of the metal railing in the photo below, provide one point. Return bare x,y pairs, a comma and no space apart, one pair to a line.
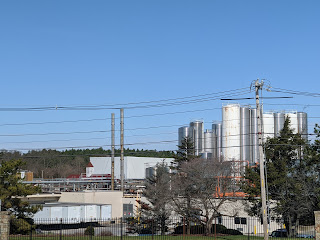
222,228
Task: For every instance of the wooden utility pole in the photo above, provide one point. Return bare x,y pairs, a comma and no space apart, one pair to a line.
259,86
122,150
112,151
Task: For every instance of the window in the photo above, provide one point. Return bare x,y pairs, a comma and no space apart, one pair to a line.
127,210
238,220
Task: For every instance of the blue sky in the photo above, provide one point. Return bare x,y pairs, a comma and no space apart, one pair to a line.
67,53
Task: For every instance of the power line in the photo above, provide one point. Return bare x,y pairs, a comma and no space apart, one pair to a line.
163,102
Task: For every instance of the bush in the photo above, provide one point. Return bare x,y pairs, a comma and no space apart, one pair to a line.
20,225
106,233
145,231
199,229
219,228
231,232
89,231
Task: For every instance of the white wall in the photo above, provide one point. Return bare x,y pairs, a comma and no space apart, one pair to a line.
134,167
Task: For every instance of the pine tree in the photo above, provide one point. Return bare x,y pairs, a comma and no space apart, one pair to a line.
185,152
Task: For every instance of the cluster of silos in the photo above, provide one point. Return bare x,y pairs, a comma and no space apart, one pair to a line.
273,122
236,138
240,130
195,132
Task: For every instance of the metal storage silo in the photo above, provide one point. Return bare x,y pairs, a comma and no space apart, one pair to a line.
245,134
254,146
231,132
217,130
196,132
293,121
278,123
303,124
208,141
268,126
183,132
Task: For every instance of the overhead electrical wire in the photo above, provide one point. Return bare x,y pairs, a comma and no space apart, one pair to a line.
293,92
169,102
163,102
156,142
104,119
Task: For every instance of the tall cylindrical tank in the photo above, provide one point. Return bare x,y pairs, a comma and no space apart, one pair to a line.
268,125
196,133
183,132
208,141
245,134
217,130
303,124
293,121
231,132
278,123
254,147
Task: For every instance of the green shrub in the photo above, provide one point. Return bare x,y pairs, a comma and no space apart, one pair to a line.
199,229
89,231
219,228
231,232
106,233
20,225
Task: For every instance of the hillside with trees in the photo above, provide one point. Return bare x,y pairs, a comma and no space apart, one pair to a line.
59,164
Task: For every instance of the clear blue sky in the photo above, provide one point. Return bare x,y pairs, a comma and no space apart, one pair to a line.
68,53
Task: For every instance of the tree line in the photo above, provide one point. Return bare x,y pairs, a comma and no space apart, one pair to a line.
50,163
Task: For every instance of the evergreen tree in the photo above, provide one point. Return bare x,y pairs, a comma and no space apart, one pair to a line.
12,188
158,194
185,152
292,182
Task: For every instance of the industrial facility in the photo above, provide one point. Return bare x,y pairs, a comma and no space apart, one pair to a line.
235,138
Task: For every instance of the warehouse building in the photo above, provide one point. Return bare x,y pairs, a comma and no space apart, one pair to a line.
134,167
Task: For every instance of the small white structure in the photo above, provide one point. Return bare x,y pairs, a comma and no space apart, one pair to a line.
89,170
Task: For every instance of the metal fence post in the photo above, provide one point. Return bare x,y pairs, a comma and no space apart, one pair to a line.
121,229
248,228
184,228
61,229
91,227
215,228
152,229
30,231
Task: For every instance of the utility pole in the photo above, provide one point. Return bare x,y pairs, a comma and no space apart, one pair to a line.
112,151
121,150
259,86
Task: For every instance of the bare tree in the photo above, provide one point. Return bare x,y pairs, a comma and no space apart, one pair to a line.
200,189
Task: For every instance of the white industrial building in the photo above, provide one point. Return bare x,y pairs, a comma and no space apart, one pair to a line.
236,137
134,167
73,212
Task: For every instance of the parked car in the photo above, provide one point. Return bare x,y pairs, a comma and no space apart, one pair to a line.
305,236
279,233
